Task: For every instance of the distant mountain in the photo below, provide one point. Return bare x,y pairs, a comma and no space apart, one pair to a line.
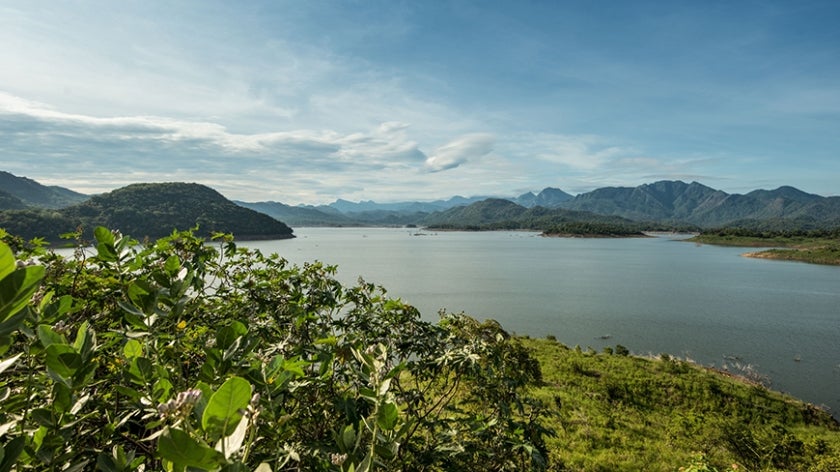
548,198
495,213
694,203
482,213
31,193
149,210
348,207
298,215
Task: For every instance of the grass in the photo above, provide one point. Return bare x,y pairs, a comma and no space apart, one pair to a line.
617,412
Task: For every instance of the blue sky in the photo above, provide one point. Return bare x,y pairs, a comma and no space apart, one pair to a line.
309,101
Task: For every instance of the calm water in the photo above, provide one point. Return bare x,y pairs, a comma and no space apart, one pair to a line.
651,295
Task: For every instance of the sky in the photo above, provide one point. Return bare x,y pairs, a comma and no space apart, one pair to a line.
311,101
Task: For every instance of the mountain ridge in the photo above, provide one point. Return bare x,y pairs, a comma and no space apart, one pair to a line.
32,193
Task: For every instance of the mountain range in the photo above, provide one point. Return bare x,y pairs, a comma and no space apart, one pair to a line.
663,203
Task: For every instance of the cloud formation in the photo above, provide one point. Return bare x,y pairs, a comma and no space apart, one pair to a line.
459,151
302,105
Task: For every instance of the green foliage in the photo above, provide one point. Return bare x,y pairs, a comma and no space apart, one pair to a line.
178,355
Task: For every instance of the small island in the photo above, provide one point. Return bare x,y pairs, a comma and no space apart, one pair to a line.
586,229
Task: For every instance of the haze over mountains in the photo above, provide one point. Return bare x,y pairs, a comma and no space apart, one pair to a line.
659,204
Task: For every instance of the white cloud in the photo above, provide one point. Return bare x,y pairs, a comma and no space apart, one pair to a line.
459,151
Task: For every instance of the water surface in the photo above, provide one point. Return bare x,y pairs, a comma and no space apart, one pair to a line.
651,295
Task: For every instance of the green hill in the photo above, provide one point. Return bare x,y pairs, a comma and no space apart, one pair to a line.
694,203
32,193
10,202
494,214
149,210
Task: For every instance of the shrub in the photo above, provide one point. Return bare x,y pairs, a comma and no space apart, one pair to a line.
176,355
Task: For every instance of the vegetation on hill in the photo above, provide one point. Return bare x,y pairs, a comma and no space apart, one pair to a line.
32,193
10,202
149,210
499,214
697,204
613,411
814,246
177,355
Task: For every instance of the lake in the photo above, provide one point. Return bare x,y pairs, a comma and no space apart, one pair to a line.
651,295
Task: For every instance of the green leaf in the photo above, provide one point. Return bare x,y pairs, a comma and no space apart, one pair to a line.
387,416
385,452
62,398
141,369
184,451
11,450
224,410
12,324
7,261
105,244
227,335
347,439
85,339
17,288
172,265
63,361
48,336
132,349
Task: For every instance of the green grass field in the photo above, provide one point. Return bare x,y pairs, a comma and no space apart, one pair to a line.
613,411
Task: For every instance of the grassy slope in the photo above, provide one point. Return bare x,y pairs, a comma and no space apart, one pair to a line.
628,413
802,249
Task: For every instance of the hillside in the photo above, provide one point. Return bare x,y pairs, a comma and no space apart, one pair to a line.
494,213
10,202
614,411
694,203
149,210
32,193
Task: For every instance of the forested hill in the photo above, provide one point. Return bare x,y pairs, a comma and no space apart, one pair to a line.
10,202
32,193
496,213
694,203
150,209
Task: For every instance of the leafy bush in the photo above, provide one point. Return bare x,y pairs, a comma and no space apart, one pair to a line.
176,355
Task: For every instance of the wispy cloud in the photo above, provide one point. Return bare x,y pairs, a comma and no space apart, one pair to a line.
459,151
393,100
